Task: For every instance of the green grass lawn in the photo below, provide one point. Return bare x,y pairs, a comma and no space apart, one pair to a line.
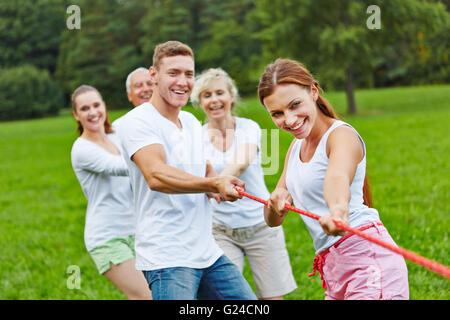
42,207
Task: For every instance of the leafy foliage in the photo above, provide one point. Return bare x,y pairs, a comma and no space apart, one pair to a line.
30,32
242,36
27,92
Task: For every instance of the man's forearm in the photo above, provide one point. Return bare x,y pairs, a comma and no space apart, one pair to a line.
169,179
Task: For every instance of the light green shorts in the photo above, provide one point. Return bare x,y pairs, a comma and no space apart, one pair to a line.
116,250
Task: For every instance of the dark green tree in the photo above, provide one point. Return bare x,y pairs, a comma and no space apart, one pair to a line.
104,50
229,43
417,52
28,92
167,20
332,37
218,32
30,32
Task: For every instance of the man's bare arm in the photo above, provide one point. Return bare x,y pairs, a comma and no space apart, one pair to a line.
161,177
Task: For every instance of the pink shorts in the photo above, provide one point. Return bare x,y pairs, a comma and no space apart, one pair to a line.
358,269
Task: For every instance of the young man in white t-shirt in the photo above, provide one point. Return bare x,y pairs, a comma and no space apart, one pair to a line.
171,179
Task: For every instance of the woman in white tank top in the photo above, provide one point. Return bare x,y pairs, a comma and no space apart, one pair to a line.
103,176
324,173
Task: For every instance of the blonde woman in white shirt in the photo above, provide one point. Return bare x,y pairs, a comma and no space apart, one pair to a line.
103,176
232,145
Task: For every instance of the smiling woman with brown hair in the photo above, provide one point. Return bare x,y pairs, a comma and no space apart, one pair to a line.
324,173
103,176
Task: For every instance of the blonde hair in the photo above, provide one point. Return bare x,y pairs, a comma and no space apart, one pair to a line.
203,80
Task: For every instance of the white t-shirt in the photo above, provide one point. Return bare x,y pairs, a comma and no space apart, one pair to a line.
173,230
115,123
104,181
244,212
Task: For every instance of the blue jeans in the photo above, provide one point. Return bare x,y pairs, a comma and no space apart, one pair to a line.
221,281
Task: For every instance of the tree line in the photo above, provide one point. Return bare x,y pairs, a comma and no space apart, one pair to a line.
332,38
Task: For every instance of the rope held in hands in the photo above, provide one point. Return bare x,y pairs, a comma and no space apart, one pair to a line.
414,257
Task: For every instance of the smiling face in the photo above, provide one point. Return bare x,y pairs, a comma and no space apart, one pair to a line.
173,81
216,100
90,111
140,88
293,108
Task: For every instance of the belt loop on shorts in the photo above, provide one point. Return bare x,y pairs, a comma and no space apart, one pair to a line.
260,226
319,260
224,229
228,231
377,225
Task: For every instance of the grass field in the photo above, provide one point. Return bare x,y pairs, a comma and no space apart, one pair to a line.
42,207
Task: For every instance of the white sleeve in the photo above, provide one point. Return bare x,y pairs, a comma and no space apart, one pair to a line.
250,133
93,159
136,134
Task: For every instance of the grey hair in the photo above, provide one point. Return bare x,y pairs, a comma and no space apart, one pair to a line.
128,82
205,78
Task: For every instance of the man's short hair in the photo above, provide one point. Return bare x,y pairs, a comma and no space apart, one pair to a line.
128,82
170,49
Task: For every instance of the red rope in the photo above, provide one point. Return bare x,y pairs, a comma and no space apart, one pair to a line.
414,257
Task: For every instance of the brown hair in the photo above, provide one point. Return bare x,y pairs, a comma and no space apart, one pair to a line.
83,89
170,49
286,71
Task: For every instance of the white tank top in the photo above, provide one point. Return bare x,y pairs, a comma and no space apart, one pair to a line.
305,180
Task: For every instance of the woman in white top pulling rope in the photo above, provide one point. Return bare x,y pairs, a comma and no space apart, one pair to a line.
325,173
233,147
103,176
